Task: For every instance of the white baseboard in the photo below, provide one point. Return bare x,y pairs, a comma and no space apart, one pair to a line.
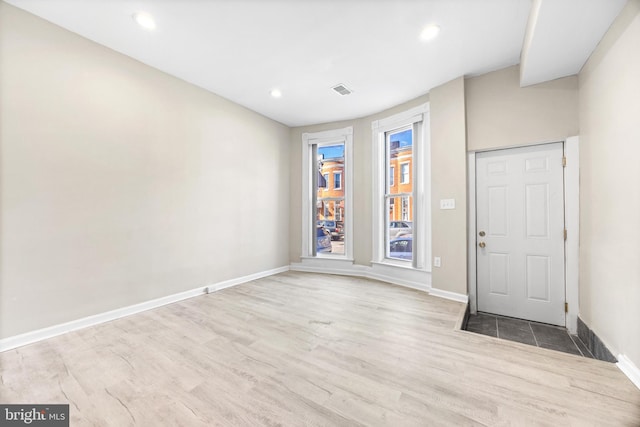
398,281
382,273
326,267
449,295
244,279
629,369
74,325
400,276
52,331
341,269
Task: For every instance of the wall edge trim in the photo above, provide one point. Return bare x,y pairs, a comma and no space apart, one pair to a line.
453,296
399,282
32,337
629,369
244,279
360,271
369,273
37,335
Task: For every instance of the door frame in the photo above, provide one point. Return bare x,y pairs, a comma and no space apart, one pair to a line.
572,224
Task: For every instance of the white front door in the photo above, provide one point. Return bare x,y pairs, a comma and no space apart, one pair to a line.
520,233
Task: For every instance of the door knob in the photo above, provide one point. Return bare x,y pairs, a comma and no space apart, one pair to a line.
482,244
481,234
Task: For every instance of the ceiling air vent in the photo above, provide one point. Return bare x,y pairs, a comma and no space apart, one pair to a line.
342,89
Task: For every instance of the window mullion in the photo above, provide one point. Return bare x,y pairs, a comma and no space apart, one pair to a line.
417,177
314,198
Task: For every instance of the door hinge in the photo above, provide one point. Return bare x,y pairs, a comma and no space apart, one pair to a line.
564,161
565,234
566,307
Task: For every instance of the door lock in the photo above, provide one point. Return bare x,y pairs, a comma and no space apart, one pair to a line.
482,244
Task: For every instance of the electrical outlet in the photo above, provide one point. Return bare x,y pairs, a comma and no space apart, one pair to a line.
447,203
436,261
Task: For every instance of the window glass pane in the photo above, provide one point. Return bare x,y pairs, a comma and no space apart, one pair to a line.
337,180
404,173
400,228
330,200
399,194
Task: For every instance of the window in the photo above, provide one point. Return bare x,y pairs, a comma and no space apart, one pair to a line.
327,160
406,209
401,208
399,151
404,173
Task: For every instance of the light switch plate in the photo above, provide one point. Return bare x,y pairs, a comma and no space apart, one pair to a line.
447,203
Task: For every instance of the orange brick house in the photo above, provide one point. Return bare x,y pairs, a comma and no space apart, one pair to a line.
400,181
330,204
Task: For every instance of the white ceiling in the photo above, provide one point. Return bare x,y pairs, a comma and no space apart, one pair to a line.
562,35
241,49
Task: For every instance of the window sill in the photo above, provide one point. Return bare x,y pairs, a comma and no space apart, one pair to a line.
341,258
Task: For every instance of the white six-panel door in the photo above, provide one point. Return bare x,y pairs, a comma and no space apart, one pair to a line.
520,233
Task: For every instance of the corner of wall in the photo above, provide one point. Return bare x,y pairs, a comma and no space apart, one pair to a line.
608,111
449,181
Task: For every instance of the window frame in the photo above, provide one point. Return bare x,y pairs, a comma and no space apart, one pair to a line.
309,175
339,180
402,175
418,119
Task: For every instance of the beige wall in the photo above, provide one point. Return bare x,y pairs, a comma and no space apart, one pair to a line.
121,184
494,111
610,187
362,155
449,181
502,114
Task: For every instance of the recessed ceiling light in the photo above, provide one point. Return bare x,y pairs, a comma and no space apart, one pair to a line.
276,93
430,32
145,20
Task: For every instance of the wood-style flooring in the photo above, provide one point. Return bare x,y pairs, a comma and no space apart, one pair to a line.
301,349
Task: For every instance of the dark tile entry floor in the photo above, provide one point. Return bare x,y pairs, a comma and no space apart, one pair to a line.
526,332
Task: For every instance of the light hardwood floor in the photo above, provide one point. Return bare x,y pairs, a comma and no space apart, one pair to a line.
306,349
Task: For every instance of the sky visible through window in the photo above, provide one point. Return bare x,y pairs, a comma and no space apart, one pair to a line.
331,151
404,137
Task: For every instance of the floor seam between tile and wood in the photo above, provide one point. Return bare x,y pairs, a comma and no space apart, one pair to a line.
524,331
